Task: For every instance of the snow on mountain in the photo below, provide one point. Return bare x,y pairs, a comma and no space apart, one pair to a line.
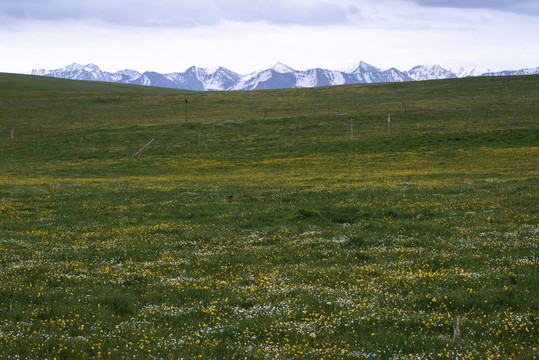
75,71
462,72
337,77
430,72
278,76
319,77
282,68
358,67
394,75
219,78
477,71
348,68
212,70
200,79
366,73
125,76
312,78
152,78
306,79
251,81
364,67
529,71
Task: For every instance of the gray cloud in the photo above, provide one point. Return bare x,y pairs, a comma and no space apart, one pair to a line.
529,7
185,13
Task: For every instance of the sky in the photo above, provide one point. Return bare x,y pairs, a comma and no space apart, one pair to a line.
248,35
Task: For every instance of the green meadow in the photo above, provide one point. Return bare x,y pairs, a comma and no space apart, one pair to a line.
276,224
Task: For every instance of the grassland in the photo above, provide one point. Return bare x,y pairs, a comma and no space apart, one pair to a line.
279,234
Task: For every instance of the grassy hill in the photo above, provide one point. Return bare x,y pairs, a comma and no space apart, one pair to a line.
54,104
269,224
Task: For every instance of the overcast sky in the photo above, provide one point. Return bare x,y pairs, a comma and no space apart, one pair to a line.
249,35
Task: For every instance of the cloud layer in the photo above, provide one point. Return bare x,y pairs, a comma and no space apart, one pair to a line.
246,35
186,13
529,7
189,13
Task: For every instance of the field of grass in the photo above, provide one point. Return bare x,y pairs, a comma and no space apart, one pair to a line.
261,227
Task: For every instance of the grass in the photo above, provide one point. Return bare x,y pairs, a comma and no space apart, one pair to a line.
281,238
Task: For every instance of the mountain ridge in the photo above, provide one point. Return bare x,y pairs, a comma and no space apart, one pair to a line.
277,77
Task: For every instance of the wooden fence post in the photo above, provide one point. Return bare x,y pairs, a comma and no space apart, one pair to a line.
186,109
78,150
514,116
12,133
467,121
199,132
389,125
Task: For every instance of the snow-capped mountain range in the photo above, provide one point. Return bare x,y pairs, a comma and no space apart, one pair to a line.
277,77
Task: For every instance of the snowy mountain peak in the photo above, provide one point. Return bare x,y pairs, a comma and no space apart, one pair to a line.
467,72
364,67
125,75
79,67
130,73
356,67
282,68
75,71
191,69
429,72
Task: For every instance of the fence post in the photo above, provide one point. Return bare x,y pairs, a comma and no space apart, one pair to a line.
389,125
78,150
199,132
514,116
467,121
12,133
